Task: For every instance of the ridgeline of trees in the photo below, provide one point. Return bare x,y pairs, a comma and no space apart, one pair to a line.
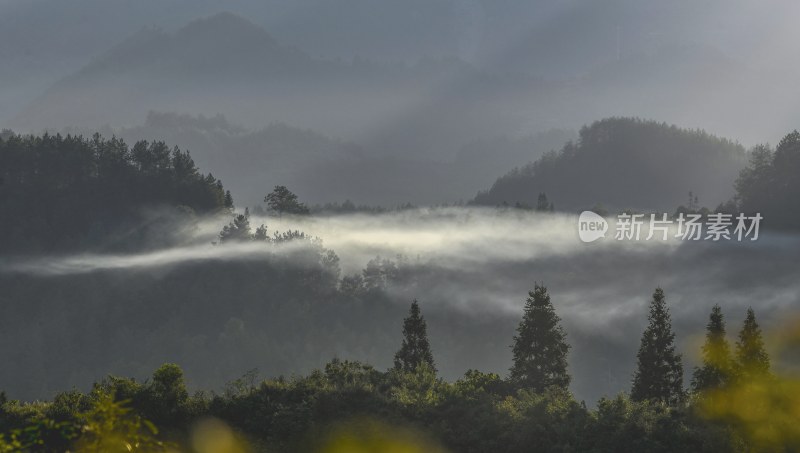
624,163
770,185
282,201
481,412
614,165
348,207
239,230
66,193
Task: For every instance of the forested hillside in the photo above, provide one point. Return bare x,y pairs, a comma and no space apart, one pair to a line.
770,184
62,193
625,163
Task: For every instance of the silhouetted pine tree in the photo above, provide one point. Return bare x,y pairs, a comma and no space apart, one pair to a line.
228,200
659,373
415,349
717,364
752,361
281,200
540,348
238,229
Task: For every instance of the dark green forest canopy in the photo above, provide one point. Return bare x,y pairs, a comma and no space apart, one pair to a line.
60,193
770,184
479,412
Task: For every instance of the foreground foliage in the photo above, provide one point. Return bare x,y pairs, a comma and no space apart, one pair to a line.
351,406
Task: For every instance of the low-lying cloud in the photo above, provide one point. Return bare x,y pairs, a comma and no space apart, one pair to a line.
472,267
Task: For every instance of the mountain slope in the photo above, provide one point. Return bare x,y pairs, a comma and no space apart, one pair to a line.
321,169
153,67
625,163
226,64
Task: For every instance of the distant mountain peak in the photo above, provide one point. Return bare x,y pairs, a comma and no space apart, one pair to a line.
226,26
210,45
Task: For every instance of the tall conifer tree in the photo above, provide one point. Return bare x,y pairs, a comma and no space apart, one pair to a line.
415,349
540,348
717,364
752,360
238,229
659,373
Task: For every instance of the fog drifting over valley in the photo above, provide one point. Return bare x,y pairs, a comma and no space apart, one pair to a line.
471,269
329,225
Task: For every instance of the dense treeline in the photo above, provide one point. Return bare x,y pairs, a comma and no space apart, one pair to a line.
769,185
74,193
625,163
480,412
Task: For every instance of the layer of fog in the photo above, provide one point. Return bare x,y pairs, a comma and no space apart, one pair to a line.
473,268
465,238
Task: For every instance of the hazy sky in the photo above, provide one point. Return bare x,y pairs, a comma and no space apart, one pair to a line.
697,64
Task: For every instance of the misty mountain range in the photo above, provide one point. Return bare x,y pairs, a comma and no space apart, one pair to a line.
402,128
322,169
226,64
574,41
392,93
229,185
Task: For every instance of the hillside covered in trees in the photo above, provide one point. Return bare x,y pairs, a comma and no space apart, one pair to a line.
71,193
770,185
625,163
